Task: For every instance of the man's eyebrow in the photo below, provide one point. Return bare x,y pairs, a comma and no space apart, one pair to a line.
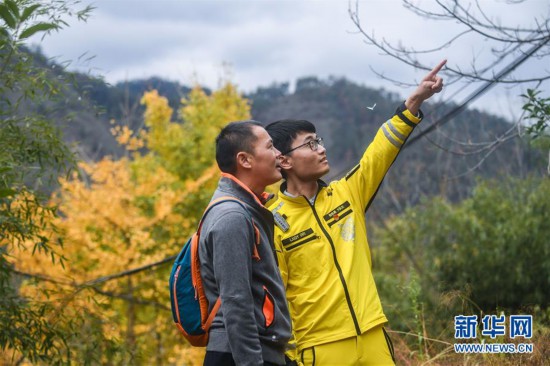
310,138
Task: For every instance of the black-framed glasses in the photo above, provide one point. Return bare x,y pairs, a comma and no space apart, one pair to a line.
313,145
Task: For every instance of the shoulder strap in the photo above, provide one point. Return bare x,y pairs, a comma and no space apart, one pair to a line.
216,202
219,200
213,203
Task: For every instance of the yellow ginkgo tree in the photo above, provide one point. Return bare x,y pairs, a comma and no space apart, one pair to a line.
121,219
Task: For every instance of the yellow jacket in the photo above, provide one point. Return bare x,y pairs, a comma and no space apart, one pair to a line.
322,248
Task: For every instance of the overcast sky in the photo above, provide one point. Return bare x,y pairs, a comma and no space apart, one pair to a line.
261,42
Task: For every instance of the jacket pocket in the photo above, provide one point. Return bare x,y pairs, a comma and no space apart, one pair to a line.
299,239
338,213
255,253
268,308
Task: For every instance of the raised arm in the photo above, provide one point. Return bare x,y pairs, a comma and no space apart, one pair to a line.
429,85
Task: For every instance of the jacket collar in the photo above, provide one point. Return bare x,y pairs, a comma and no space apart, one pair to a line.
230,184
300,199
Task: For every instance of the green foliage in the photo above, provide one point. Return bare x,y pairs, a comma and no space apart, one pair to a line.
31,328
488,252
538,110
31,151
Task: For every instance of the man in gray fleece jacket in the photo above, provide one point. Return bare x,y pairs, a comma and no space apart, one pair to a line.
237,255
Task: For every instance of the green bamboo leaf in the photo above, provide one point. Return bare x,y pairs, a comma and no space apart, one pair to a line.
28,11
13,7
40,27
7,16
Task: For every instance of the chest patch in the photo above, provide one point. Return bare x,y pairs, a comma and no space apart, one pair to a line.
347,227
337,214
280,220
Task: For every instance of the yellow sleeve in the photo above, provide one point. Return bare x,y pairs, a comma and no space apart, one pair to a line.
365,178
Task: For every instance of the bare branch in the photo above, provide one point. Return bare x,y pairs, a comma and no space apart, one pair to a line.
481,146
509,41
475,167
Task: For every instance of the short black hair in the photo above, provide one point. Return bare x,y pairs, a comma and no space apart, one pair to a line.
284,131
235,137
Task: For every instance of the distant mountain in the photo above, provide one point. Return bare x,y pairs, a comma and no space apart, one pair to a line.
439,163
121,102
86,105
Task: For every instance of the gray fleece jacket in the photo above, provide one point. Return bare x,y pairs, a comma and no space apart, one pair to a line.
253,323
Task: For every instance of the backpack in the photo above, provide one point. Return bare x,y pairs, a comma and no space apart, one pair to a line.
187,298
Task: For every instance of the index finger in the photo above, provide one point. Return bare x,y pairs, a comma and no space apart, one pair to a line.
436,69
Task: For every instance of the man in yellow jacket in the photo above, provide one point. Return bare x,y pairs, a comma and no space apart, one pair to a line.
321,238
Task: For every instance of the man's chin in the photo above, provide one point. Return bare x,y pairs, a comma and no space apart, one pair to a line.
276,177
322,173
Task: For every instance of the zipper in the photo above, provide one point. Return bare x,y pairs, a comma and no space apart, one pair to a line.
342,279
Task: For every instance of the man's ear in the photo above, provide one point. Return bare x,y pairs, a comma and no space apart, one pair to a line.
285,162
244,159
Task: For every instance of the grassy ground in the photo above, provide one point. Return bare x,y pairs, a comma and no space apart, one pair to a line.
414,350
438,352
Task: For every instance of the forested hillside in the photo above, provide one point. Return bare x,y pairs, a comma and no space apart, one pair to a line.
447,161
